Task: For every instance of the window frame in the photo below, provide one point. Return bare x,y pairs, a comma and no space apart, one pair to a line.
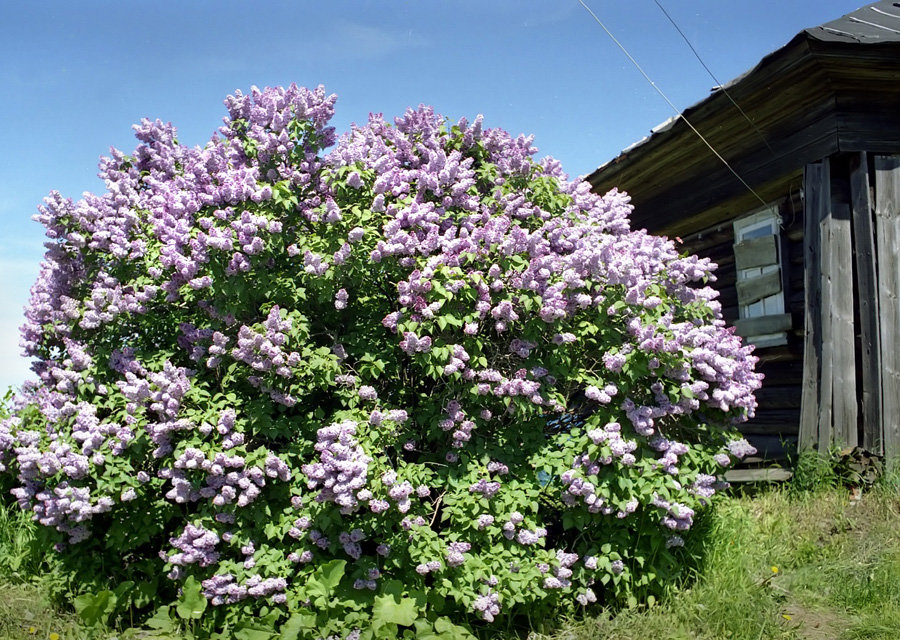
767,218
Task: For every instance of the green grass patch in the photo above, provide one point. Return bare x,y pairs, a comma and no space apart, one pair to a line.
27,612
27,585
783,564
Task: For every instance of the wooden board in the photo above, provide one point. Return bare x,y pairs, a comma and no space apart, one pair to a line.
826,294
772,422
756,252
867,287
843,337
887,232
815,185
749,327
758,475
775,397
753,289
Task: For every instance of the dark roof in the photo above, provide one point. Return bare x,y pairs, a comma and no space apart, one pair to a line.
830,89
874,23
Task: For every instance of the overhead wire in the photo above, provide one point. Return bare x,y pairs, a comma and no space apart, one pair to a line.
670,103
719,85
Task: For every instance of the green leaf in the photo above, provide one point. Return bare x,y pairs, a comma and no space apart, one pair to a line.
297,623
95,608
392,588
253,633
326,578
424,631
392,609
162,621
192,602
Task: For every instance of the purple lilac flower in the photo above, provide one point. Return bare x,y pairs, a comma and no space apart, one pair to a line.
195,545
740,448
487,606
343,466
368,393
486,488
455,553
484,520
722,459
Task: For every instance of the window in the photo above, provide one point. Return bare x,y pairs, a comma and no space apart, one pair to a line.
757,252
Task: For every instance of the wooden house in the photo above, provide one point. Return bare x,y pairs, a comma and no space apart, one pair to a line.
804,225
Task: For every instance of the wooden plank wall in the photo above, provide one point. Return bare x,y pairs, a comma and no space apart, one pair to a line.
845,420
837,380
867,287
829,412
887,234
853,317
815,177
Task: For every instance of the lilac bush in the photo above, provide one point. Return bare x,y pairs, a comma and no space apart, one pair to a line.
420,381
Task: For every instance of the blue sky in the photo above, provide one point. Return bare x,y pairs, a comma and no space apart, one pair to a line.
77,75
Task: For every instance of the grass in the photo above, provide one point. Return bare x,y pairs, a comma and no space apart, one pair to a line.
794,562
26,582
786,563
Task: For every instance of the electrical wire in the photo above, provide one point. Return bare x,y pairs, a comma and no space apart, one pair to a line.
670,103
719,85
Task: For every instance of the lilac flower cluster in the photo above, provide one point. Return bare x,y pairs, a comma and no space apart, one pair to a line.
455,553
457,422
195,545
370,582
264,353
350,542
414,344
562,572
428,567
671,452
487,605
675,515
486,488
343,466
225,589
740,448
704,486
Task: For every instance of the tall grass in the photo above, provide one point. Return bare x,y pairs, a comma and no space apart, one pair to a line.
27,582
797,561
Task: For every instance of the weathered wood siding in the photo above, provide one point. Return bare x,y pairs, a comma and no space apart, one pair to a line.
815,205
830,403
887,233
867,287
